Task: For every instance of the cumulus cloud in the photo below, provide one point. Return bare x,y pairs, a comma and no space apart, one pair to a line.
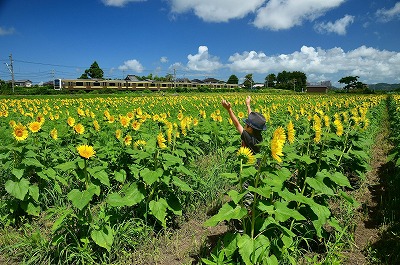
119,3
338,27
366,62
203,61
389,14
164,59
133,65
284,14
6,31
216,10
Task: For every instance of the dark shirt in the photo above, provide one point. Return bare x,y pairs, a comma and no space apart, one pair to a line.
251,141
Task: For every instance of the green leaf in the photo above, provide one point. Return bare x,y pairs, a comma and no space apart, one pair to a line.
340,179
34,192
181,184
81,198
150,176
174,204
18,172
100,175
66,166
170,160
120,176
17,189
236,196
283,213
246,248
159,210
30,208
264,191
103,237
133,195
227,212
349,198
31,162
319,186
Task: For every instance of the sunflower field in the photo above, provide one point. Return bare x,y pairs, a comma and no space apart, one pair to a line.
88,168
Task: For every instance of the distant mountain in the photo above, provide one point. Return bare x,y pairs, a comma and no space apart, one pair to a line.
384,86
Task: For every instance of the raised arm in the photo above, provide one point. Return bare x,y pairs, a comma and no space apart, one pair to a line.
234,119
248,99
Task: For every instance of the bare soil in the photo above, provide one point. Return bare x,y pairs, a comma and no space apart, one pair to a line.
369,217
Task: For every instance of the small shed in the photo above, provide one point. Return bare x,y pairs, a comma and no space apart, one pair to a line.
316,89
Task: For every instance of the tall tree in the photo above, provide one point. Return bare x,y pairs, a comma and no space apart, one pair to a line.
93,72
233,79
352,84
248,81
270,80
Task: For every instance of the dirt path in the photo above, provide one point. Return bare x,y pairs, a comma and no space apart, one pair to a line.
369,218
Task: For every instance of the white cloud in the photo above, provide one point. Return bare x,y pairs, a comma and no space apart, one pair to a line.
389,14
133,65
338,27
284,14
366,62
164,59
5,31
203,61
216,10
119,3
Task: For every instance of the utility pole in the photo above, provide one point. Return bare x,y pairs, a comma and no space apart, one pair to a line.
11,69
174,78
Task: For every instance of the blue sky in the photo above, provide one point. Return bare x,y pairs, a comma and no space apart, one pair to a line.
325,39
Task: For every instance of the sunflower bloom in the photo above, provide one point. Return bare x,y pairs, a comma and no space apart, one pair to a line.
339,127
180,115
195,122
35,126
278,140
240,115
128,140
118,133
86,151
317,128
20,132
161,141
79,128
139,144
136,125
291,132
12,123
40,118
54,134
246,155
71,121
124,120
96,125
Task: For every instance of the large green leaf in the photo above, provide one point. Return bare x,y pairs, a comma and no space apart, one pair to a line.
30,208
283,213
150,176
100,175
181,184
246,248
34,192
319,186
81,198
29,161
227,212
340,179
133,195
159,210
103,237
18,172
66,166
17,189
170,160
120,176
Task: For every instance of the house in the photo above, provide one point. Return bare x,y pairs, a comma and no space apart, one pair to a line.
22,83
316,89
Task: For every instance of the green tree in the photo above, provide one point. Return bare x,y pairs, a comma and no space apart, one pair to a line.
270,80
93,72
233,79
352,84
248,81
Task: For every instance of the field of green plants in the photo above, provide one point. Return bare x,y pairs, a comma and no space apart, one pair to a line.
84,180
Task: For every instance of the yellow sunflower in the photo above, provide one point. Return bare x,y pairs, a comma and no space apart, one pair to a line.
128,140
136,125
79,128
35,126
86,151
20,132
161,141
291,132
71,121
241,115
54,134
96,125
246,155
124,120
139,144
118,133
278,140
